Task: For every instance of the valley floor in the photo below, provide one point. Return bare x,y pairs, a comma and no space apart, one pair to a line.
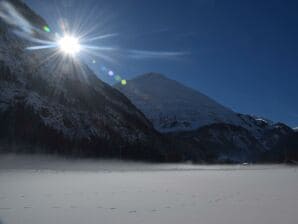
47,190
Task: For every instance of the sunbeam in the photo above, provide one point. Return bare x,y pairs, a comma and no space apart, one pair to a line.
100,37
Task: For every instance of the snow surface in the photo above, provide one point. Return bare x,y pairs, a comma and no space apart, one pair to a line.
49,190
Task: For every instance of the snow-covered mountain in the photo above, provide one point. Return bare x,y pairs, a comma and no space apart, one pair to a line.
209,129
60,103
172,106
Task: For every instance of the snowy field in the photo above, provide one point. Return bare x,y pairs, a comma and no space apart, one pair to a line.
48,190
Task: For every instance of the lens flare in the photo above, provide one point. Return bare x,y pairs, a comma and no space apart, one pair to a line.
69,45
47,29
118,78
123,82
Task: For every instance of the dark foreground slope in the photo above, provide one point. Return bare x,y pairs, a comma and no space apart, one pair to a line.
226,143
58,105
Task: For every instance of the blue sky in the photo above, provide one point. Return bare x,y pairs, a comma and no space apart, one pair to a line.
243,54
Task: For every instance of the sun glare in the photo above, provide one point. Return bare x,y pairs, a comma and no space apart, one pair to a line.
69,45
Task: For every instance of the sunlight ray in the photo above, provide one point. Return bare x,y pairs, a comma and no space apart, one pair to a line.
100,37
40,47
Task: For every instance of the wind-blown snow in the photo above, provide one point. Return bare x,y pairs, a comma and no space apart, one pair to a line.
76,192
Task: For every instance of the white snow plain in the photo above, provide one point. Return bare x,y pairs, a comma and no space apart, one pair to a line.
48,190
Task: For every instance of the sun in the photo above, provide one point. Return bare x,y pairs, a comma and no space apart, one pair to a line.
69,45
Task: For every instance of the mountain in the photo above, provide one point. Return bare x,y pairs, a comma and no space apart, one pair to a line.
172,106
209,131
228,143
57,104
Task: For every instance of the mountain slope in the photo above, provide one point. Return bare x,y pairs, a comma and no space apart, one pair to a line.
59,103
222,142
172,106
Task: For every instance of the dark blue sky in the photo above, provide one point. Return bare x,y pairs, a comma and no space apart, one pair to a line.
244,53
